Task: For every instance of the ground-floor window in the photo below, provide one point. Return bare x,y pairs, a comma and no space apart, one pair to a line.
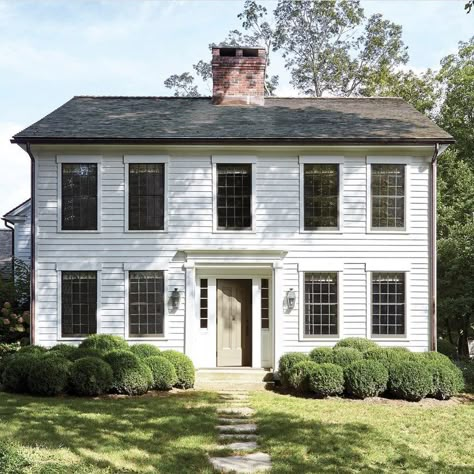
203,298
265,304
146,303
78,303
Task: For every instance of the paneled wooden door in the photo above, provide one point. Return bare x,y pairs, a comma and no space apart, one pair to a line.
234,323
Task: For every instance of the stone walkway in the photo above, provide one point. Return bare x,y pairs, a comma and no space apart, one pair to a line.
237,432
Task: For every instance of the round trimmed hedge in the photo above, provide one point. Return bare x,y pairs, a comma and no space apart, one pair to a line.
90,376
321,355
49,375
447,380
298,375
163,371
287,361
387,356
17,370
359,343
410,380
32,349
183,366
130,375
144,350
104,343
64,349
82,352
365,378
326,379
434,357
345,356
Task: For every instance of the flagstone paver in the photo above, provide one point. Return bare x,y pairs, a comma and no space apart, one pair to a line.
244,428
237,436
242,445
250,463
232,421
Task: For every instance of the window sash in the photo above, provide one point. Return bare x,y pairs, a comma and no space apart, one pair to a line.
79,196
204,304
265,304
146,196
78,304
146,305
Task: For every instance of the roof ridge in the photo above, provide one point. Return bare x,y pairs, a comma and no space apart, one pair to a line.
209,97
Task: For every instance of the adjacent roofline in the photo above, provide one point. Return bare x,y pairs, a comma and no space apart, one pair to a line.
17,210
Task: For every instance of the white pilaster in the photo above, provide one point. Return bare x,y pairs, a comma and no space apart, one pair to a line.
256,323
277,313
190,327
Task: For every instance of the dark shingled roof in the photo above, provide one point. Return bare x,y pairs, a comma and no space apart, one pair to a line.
196,120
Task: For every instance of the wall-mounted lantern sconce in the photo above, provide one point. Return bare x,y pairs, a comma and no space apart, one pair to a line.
175,298
290,299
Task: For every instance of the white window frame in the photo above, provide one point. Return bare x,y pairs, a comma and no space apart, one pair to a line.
144,267
321,266
234,160
388,160
79,159
387,266
78,267
323,160
146,159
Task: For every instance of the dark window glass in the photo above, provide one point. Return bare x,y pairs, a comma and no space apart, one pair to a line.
265,304
320,304
146,196
78,303
146,303
388,196
204,304
79,196
388,303
234,197
321,196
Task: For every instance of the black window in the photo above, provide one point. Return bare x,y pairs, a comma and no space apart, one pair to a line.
79,196
78,303
320,304
388,196
234,197
204,304
265,304
321,196
388,303
146,196
146,303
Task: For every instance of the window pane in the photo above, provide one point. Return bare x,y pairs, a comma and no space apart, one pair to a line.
320,304
146,196
146,303
265,304
388,303
78,303
321,196
234,197
204,304
79,196
388,196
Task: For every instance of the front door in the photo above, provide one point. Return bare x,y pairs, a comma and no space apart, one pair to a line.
234,323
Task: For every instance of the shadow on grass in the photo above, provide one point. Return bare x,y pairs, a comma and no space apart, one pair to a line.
162,434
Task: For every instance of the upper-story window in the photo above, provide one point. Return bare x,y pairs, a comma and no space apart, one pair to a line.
146,196
388,196
79,196
234,196
321,196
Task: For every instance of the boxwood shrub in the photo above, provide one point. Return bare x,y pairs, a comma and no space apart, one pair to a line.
434,356
359,343
387,355
345,356
298,375
17,370
321,355
326,379
81,352
104,343
183,366
410,380
130,375
49,375
144,350
287,361
365,378
164,373
29,349
90,376
447,379
66,350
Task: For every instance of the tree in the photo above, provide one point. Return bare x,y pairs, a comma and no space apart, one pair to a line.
468,6
325,51
182,84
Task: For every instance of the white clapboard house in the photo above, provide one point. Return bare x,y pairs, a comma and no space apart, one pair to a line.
236,227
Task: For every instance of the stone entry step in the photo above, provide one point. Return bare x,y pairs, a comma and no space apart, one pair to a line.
242,445
250,463
243,411
244,428
237,436
233,421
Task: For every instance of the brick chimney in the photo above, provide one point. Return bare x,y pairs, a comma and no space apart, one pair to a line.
238,76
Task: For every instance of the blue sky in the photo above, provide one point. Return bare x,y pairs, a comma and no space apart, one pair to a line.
53,50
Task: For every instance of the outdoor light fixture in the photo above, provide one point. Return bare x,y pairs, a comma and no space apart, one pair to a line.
290,299
175,298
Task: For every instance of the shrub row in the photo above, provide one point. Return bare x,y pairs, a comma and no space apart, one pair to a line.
101,364
361,369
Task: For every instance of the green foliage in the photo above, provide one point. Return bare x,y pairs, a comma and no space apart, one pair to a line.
387,356
467,369
7,348
326,379
321,355
12,461
164,373
298,375
144,350
287,361
434,356
49,375
345,356
32,349
183,85
17,370
410,380
447,379
90,376
14,325
359,343
67,350
81,352
104,343
447,348
130,375
365,378
183,366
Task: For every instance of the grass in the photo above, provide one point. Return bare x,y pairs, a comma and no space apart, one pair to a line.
168,434
348,436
